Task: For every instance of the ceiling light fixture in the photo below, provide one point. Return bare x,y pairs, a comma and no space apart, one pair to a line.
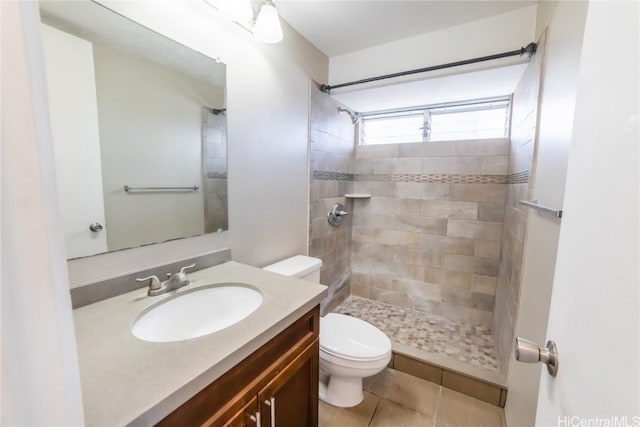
267,27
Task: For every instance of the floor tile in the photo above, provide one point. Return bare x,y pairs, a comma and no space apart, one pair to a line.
406,390
358,416
471,344
457,410
390,414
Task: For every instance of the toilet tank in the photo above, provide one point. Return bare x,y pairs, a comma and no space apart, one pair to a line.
300,266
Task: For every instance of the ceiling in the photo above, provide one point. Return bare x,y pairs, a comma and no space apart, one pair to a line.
341,26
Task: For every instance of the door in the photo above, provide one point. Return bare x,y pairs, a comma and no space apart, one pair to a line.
595,299
291,398
559,52
73,108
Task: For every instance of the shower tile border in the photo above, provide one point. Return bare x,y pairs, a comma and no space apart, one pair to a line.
418,178
216,175
518,178
332,176
434,178
514,178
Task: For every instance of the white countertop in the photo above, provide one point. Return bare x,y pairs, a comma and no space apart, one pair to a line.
129,381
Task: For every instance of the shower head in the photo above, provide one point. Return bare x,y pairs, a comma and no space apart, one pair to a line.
355,117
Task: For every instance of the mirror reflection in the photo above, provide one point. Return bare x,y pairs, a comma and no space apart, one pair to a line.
139,131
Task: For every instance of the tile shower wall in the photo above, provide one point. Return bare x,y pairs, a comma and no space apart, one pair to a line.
214,158
332,150
522,152
429,238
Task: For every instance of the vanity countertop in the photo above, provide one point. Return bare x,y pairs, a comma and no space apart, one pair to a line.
127,381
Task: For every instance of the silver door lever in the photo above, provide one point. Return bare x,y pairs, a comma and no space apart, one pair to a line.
95,227
527,351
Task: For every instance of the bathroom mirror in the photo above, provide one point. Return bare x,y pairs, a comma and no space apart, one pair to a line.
139,131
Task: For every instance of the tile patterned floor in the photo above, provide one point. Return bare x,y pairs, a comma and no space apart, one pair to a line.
396,399
470,344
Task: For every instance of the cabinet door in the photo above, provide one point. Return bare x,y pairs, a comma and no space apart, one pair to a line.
291,398
224,399
248,416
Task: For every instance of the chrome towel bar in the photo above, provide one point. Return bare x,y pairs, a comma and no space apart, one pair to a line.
534,204
128,188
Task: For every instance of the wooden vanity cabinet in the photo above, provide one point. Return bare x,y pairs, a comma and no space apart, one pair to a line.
248,416
280,378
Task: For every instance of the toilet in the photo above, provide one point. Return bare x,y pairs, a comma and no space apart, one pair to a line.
350,348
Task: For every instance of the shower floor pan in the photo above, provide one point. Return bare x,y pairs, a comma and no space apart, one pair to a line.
443,346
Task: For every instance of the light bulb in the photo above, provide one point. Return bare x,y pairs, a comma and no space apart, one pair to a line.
237,10
267,27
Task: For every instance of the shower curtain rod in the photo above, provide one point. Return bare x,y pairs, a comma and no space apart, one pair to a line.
527,51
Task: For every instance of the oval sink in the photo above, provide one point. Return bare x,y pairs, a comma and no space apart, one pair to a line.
196,313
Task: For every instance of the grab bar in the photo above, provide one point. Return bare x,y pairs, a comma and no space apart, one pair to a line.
128,188
534,204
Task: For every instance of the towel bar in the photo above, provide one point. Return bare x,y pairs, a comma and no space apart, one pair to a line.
534,204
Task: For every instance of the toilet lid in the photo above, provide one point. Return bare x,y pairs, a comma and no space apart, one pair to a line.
352,338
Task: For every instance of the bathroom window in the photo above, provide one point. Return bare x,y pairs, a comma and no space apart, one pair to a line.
444,122
393,128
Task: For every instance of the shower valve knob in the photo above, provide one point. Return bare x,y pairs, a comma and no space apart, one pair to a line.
527,351
336,213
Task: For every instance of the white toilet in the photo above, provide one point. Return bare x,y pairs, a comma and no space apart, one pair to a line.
350,349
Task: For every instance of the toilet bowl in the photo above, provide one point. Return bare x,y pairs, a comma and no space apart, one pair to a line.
350,348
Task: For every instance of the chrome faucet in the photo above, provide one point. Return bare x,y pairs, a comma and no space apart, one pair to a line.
174,281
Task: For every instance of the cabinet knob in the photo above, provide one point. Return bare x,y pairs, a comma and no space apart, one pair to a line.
256,418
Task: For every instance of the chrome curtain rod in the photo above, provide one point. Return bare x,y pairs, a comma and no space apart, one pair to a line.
527,51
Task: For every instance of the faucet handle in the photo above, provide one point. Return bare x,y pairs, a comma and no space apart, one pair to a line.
154,282
187,266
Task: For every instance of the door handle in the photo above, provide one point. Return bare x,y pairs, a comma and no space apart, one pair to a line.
527,351
95,227
272,404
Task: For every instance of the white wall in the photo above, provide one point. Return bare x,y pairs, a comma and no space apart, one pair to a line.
150,135
268,105
565,21
39,376
501,33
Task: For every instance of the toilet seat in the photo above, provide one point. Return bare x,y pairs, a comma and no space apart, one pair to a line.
350,338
